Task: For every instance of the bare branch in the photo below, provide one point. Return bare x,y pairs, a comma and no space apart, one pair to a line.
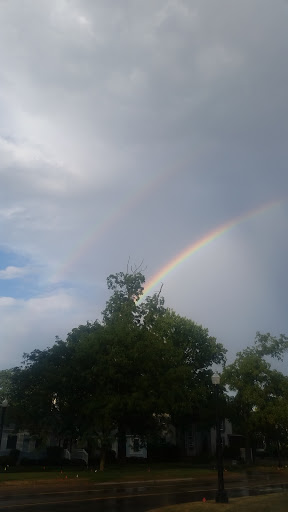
158,295
127,268
134,269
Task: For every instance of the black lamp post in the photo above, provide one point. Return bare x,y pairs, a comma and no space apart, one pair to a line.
4,407
221,496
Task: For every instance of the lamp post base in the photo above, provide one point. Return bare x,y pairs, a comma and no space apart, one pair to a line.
221,497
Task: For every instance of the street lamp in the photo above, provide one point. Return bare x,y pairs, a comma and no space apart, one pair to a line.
221,496
4,407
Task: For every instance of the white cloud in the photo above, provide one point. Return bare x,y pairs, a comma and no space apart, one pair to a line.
8,213
13,272
60,302
34,323
7,301
19,153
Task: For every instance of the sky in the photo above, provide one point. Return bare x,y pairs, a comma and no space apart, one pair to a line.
129,131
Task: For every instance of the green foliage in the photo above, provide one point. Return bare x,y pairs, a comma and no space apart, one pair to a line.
163,451
259,407
141,364
5,384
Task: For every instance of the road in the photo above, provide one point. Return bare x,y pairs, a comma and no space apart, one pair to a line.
120,498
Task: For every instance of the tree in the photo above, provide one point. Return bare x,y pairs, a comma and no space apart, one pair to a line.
259,405
143,362
5,383
39,390
164,360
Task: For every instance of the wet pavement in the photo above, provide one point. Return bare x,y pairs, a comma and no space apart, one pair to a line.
133,497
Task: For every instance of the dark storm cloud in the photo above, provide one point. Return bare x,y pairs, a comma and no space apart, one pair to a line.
132,129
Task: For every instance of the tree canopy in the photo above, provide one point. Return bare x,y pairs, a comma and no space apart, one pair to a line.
121,374
259,406
140,364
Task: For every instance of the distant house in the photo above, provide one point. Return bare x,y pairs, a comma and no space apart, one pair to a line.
135,447
226,433
29,448
195,440
13,440
191,440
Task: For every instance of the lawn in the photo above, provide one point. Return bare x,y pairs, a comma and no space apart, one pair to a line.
267,503
115,473
126,473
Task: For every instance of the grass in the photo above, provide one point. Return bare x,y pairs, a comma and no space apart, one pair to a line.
115,473
267,503
125,473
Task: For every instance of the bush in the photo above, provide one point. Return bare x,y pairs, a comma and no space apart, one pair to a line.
164,452
4,460
77,462
110,457
55,455
94,460
136,460
231,452
201,460
14,456
25,461
11,459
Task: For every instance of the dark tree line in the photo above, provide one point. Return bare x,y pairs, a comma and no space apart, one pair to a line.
259,407
138,367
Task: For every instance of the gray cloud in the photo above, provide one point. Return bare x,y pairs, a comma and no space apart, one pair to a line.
133,130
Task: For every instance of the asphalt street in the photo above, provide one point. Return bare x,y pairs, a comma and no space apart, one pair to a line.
125,498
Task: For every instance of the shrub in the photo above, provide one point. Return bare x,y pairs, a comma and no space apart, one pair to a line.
55,455
11,459
165,452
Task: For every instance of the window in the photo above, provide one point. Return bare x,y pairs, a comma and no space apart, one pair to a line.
136,445
26,441
11,442
190,440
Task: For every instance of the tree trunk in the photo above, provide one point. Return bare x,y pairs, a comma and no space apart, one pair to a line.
249,451
121,444
181,440
279,454
102,459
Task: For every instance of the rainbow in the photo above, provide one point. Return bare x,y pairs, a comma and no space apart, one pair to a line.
202,242
113,216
